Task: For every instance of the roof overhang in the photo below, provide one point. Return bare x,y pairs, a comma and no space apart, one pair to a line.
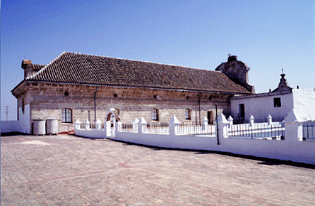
24,84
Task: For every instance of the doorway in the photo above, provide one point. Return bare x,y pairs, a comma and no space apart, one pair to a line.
210,117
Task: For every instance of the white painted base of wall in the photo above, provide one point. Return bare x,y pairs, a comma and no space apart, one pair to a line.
22,125
169,141
288,149
25,120
297,151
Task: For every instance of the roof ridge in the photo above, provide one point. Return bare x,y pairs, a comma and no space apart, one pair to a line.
139,61
40,71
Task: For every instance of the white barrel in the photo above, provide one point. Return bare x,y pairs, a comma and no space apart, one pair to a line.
52,126
39,127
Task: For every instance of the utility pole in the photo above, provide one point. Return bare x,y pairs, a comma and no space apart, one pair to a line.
199,95
7,112
217,126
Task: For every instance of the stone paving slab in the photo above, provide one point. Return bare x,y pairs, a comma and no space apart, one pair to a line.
68,170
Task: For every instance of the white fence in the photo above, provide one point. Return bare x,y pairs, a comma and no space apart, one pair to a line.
284,143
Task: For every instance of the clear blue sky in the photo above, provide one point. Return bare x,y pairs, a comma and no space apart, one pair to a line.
266,35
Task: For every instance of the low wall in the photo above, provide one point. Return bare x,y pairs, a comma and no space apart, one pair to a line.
91,133
10,126
201,142
292,148
298,151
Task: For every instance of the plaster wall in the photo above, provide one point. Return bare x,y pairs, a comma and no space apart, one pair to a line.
25,120
261,107
289,149
23,124
9,126
304,103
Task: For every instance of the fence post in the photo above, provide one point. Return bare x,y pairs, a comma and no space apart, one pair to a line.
174,125
118,127
293,127
98,124
134,125
251,120
77,124
222,131
230,119
87,125
107,125
269,119
205,125
141,125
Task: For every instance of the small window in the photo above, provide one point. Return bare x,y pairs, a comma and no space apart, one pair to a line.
66,93
67,115
23,105
187,114
115,95
155,114
277,102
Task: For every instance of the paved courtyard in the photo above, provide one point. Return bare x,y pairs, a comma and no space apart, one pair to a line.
68,170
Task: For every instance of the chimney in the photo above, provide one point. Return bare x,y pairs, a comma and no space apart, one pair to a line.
232,58
28,68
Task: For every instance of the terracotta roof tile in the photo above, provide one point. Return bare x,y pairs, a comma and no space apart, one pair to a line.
38,67
89,69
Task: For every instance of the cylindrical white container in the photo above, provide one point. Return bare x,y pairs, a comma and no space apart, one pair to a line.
52,126
39,127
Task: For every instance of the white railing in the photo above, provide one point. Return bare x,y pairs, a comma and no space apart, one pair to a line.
205,129
257,131
269,130
224,136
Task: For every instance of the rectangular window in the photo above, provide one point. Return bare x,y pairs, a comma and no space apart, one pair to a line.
155,114
67,115
277,102
187,114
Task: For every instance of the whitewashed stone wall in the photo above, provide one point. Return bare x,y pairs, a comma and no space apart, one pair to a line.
304,103
262,105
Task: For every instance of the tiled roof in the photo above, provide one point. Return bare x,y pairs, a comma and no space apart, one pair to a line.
38,67
98,70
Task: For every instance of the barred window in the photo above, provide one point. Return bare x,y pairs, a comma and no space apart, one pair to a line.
187,114
155,114
67,115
